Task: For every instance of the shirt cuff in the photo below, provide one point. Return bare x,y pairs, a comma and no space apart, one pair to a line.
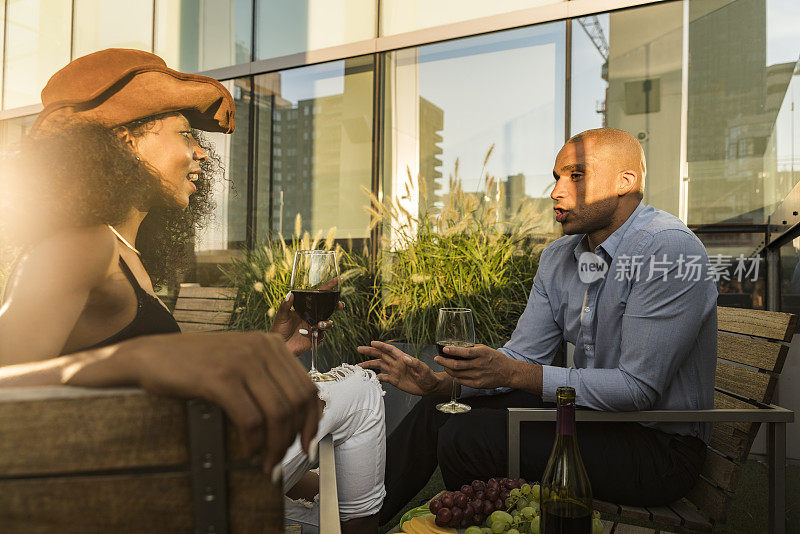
552,379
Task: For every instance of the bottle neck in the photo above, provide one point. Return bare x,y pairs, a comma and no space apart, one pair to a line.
565,420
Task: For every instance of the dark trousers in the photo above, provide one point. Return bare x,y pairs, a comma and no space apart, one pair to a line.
627,463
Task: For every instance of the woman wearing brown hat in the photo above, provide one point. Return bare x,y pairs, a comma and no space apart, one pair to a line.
107,191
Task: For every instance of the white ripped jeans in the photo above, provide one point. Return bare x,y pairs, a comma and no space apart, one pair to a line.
354,415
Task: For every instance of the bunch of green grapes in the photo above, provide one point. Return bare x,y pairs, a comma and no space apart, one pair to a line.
522,515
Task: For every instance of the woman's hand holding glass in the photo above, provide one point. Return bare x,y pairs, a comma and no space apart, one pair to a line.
293,329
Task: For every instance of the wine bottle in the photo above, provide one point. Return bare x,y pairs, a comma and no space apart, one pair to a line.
566,493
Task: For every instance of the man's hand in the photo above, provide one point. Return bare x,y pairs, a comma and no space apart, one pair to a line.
401,370
251,375
294,330
482,367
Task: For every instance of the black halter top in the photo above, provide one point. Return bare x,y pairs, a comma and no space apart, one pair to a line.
151,316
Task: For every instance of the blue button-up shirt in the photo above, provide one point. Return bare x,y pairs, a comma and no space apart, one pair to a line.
645,334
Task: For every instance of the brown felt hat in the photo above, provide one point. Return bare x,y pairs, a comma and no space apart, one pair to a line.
118,85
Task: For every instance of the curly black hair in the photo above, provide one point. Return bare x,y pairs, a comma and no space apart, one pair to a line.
81,174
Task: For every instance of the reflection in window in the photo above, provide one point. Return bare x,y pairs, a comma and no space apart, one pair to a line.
12,131
197,35
740,108
626,74
37,45
743,91
226,231
314,139
300,25
400,16
99,25
452,102
740,275
790,276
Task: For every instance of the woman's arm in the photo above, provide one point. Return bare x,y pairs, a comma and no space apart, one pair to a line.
49,290
251,375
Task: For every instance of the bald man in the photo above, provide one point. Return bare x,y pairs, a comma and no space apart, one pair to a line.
627,286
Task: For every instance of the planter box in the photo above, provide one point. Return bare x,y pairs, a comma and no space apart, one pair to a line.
76,460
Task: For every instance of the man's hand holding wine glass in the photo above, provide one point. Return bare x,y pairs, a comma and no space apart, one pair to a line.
478,367
482,367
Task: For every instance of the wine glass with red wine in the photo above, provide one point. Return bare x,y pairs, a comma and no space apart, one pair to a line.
315,286
454,329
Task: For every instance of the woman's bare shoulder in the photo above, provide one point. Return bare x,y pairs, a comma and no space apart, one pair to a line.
80,255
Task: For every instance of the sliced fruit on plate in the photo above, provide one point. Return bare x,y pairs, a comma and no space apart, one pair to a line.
425,525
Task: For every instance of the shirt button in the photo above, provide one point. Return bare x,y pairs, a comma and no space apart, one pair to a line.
587,309
588,347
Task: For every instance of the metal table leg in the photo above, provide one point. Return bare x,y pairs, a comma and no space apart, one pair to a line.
777,477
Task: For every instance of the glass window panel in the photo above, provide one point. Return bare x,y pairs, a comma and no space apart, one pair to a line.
13,130
301,25
790,276
99,24
741,283
198,35
452,102
400,16
226,231
2,44
315,148
626,74
37,45
742,88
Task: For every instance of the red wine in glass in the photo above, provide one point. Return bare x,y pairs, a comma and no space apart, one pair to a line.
315,286
314,305
440,345
455,328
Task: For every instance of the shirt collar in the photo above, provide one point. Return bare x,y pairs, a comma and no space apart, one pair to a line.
612,242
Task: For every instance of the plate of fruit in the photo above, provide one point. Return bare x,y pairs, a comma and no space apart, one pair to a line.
496,506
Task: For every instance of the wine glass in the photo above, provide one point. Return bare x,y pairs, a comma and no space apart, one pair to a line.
315,286
454,329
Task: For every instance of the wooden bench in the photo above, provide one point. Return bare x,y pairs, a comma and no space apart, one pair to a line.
752,348
208,309
82,461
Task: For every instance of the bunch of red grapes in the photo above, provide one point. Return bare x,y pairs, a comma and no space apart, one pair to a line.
474,502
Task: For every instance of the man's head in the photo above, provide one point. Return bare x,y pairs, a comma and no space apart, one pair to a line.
599,178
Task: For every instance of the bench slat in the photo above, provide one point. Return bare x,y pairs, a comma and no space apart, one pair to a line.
767,355
767,324
730,441
216,305
605,507
745,382
711,500
690,517
634,512
206,317
200,327
208,292
725,401
622,528
121,436
132,503
721,471
664,516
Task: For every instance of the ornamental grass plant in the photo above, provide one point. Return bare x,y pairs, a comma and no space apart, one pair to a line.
263,278
469,251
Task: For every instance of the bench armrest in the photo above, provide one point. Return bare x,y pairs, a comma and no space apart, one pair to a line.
328,497
770,414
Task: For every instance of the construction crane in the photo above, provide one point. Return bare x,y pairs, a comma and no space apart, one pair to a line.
591,25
